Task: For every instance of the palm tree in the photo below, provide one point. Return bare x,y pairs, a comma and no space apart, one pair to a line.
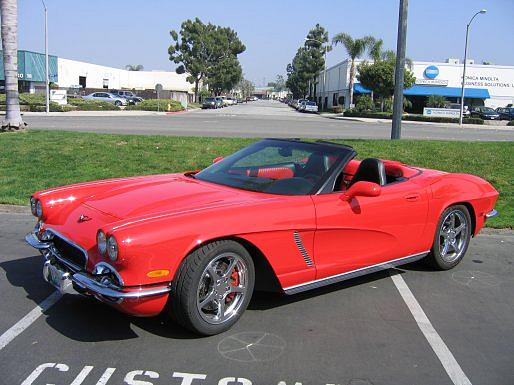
9,14
355,49
134,67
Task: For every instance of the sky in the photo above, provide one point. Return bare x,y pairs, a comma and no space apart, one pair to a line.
116,33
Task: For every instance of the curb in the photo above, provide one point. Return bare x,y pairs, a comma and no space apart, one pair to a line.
177,112
14,209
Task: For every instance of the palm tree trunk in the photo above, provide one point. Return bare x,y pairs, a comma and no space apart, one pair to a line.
197,81
352,80
9,14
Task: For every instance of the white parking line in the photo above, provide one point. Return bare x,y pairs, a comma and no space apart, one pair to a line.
26,321
442,352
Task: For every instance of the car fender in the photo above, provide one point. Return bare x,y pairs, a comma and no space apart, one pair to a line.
450,189
163,242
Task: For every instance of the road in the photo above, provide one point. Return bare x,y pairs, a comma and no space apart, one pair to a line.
258,119
360,332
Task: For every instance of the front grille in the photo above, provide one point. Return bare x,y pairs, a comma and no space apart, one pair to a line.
69,252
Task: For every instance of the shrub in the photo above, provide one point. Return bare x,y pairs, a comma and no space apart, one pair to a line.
365,103
368,114
337,109
436,101
91,105
511,123
418,118
155,104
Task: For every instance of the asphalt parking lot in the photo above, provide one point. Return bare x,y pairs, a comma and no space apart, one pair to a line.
256,119
358,332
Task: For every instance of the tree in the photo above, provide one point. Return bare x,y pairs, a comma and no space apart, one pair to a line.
134,67
436,101
308,62
279,84
9,15
200,48
355,49
245,87
379,77
225,75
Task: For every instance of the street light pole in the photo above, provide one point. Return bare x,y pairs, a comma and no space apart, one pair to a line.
324,69
47,78
461,114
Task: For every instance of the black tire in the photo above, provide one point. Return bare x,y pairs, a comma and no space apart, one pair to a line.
437,258
117,103
183,303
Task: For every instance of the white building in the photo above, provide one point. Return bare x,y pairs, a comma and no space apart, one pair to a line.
73,73
486,84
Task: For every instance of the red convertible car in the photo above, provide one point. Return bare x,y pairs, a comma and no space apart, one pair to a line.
279,214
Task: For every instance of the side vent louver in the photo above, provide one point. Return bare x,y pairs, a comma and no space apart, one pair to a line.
301,248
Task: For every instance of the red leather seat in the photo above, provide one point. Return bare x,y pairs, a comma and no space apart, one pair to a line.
275,173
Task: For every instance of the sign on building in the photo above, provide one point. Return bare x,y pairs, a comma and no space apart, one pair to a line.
441,112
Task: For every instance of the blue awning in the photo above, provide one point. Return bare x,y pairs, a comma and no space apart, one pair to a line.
450,92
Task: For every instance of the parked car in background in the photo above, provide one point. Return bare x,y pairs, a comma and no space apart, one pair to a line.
220,102
131,97
210,103
107,97
299,103
456,106
308,106
506,113
486,113
230,101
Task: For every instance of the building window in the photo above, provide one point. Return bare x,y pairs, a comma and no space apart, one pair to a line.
106,83
82,81
340,100
334,99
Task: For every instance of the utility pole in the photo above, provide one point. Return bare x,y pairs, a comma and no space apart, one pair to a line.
396,129
47,77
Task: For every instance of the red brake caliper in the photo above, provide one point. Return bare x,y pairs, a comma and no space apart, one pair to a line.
234,281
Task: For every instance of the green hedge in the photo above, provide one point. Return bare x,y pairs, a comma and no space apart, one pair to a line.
368,114
91,105
36,103
417,118
157,104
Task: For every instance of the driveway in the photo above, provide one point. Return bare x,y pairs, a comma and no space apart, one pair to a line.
404,326
256,119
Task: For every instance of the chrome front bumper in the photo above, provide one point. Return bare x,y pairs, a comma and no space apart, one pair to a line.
67,279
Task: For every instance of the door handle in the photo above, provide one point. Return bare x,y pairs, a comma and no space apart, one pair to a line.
412,197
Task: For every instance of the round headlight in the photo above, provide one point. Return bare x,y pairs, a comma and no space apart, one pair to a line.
33,202
112,248
39,209
101,242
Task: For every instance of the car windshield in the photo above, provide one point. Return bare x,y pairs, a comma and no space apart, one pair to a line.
487,109
284,167
208,100
311,103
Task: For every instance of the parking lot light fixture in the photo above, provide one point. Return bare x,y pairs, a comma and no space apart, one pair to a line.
324,69
47,77
482,11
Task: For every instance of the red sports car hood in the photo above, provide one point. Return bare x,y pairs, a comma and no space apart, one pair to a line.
169,194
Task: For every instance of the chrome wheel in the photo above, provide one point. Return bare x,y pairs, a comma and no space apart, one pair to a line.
222,288
453,236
